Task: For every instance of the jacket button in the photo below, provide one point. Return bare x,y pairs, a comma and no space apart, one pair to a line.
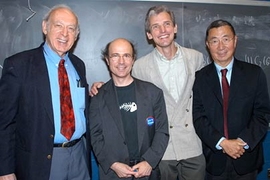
186,125
171,127
51,136
49,157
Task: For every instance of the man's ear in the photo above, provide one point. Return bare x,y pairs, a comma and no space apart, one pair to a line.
207,44
175,29
149,35
44,27
235,40
107,61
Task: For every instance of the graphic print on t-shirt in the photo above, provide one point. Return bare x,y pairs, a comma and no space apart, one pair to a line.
130,106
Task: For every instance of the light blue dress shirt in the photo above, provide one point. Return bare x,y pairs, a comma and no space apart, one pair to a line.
228,76
77,94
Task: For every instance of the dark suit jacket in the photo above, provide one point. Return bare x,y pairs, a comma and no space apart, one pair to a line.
107,133
26,115
248,114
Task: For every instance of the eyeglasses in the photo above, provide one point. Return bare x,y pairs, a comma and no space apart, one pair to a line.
224,40
116,57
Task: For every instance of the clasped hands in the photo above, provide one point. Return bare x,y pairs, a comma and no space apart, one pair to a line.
139,170
233,147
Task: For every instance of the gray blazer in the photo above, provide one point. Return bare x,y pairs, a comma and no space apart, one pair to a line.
184,142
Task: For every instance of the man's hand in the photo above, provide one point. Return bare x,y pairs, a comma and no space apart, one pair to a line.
233,147
122,170
94,88
142,169
8,177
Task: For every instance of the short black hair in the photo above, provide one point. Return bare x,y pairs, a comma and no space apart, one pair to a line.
216,24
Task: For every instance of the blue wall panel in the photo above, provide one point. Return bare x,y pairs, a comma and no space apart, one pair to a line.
266,147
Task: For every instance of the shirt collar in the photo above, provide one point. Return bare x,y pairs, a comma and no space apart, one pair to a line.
164,59
228,67
53,55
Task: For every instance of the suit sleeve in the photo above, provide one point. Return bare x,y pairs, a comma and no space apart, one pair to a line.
97,140
102,150
160,141
260,115
9,94
204,129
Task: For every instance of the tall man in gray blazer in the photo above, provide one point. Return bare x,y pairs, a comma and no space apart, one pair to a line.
172,68
129,125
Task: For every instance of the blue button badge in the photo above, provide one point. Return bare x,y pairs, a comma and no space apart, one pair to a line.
150,121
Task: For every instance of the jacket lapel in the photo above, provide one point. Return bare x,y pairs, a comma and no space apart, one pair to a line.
156,77
78,68
112,104
141,98
213,82
237,79
40,72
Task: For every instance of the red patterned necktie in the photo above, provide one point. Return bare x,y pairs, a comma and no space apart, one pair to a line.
67,113
225,90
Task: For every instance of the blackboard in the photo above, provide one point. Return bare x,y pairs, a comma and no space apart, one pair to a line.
102,21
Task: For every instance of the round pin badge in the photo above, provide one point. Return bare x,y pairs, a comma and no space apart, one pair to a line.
150,120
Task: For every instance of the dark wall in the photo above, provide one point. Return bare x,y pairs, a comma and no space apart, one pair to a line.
102,21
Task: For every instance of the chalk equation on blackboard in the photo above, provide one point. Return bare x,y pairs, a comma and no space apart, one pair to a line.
258,60
204,18
207,17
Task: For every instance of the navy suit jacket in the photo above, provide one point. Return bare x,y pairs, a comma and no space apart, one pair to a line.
26,115
107,133
248,114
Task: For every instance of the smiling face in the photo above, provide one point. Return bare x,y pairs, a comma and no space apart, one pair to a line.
162,30
221,43
61,30
120,61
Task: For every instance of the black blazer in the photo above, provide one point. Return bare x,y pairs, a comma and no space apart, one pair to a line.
26,115
107,133
248,114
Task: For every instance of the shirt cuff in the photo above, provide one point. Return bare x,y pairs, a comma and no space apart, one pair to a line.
246,146
218,143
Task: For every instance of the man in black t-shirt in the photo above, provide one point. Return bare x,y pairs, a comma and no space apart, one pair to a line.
128,120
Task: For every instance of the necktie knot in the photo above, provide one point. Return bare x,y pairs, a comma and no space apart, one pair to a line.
224,72
62,62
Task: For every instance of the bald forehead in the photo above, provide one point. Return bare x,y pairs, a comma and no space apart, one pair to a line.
61,11
120,43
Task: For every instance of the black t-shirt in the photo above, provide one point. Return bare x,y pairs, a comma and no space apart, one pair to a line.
128,107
